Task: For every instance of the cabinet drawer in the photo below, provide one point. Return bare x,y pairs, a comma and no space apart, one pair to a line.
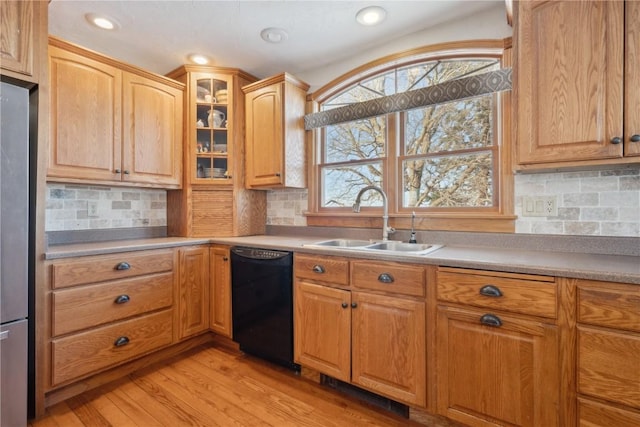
508,292
609,305
595,414
389,277
108,267
326,269
80,354
89,306
608,365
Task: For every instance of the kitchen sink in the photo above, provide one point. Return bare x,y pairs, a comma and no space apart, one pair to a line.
390,246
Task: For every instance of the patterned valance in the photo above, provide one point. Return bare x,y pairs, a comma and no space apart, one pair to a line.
467,87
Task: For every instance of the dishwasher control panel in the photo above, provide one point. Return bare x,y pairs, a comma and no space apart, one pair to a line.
254,253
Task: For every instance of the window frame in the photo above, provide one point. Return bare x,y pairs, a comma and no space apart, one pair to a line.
498,218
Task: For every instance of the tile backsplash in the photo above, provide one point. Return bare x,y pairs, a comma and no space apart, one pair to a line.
87,207
594,203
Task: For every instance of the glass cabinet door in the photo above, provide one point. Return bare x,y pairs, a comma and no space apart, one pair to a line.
212,134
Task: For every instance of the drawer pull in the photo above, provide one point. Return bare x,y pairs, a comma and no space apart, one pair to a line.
491,320
491,291
635,138
345,305
121,299
616,140
318,269
123,266
121,341
385,278
354,305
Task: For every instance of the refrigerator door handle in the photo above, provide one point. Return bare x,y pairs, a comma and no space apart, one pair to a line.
4,335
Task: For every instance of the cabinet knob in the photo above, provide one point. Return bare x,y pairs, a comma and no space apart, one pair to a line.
491,320
616,140
635,138
126,172
318,269
277,173
121,299
385,278
117,171
354,304
225,258
123,266
121,341
491,291
345,305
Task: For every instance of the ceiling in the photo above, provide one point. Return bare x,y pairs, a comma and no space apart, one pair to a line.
160,35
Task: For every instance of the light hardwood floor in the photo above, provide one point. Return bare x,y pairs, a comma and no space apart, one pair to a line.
217,386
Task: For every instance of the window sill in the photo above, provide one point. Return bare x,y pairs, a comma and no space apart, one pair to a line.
477,222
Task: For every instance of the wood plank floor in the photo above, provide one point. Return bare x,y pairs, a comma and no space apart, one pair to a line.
217,386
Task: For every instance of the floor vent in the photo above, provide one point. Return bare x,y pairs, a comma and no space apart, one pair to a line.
364,395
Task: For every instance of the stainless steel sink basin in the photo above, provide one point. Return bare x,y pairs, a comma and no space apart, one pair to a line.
400,247
343,243
390,247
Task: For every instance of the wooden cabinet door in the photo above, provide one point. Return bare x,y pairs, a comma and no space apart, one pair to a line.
496,375
322,329
220,302
265,135
389,346
568,81
194,291
85,115
17,36
632,80
152,137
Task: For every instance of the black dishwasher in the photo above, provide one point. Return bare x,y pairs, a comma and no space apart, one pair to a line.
262,303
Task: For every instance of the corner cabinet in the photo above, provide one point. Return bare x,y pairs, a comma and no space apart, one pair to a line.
275,140
575,84
213,200
111,123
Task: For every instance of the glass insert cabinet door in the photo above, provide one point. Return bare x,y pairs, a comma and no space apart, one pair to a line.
212,148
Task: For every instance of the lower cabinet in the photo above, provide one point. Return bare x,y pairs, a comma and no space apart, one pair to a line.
373,340
220,291
495,368
193,300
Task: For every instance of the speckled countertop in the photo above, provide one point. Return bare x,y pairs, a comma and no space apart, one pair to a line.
615,268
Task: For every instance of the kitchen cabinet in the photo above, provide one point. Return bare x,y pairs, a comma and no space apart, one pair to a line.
220,291
193,301
574,83
497,348
112,123
106,310
23,32
353,318
275,139
608,342
214,201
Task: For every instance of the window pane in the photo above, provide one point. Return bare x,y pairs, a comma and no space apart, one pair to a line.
359,140
452,126
435,72
449,181
341,184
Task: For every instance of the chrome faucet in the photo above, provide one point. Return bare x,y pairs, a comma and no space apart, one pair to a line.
386,230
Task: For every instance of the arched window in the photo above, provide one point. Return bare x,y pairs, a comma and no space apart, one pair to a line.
449,163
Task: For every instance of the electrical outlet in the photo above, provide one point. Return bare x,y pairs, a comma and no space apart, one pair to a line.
539,206
92,209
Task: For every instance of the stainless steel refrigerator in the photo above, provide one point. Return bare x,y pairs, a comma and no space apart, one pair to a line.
14,253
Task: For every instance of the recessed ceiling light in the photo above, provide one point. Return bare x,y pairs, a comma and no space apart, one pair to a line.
199,59
274,35
102,21
371,15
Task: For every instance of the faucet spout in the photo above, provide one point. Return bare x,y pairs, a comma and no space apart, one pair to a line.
385,209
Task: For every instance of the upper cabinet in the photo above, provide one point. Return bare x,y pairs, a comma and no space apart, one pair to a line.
23,29
111,123
275,145
574,104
